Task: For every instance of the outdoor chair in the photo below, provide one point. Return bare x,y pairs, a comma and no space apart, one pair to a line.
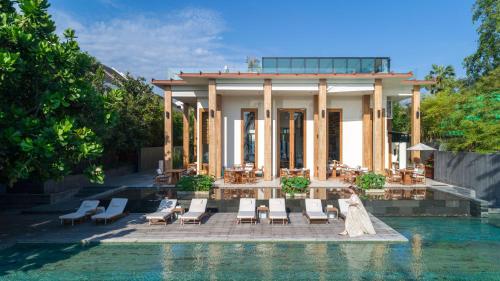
196,212
277,210
393,177
246,211
314,211
284,172
163,213
228,176
87,208
114,211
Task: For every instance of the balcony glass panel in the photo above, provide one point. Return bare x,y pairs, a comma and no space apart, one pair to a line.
353,65
367,65
312,65
325,65
340,65
269,65
298,65
284,65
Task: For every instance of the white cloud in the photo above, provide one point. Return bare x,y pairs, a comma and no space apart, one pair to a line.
189,40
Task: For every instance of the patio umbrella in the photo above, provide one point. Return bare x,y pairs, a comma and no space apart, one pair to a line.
420,147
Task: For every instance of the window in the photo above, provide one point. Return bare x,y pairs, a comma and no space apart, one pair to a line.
249,135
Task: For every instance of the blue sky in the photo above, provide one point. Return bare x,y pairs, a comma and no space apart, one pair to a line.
156,37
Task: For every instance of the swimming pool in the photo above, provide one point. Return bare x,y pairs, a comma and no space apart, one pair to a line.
439,249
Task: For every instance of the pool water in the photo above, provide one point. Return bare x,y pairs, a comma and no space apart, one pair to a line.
439,249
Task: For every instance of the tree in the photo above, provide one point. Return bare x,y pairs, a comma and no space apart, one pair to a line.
400,118
443,75
49,109
486,57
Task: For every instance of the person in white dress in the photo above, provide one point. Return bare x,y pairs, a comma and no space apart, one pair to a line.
357,221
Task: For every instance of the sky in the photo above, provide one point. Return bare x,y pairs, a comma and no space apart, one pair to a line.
156,38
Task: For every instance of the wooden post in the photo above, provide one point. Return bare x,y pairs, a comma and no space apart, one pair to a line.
315,136
218,133
415,120
195,134
212,141
268,113
322,134
367,133
168,133
377,127
185,135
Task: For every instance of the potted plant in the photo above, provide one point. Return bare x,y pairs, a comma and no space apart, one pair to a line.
429,168
372,184
197,186
295,186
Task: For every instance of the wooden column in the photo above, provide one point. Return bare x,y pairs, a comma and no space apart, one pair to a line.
218,137
168,132
315,135
415,120
185,135
377,127
195,134
367,133
322,131
268,113
212,141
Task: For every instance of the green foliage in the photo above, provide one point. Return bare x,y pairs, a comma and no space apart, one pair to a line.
49,110
487,56
444,77
400,118
195,183
466,120
370,181
295,184
138,116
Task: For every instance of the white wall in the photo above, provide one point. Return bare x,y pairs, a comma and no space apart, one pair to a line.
352,127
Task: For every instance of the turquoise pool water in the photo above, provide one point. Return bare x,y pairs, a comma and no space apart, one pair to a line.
439,249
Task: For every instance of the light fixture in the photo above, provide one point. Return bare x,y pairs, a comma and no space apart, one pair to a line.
323,113
378,113
418,114
212,113
167,114
268,113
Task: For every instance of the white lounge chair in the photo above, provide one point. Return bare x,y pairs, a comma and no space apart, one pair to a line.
246,212
196,211
164,212
277,210
314,211
343,207
87,208
115,210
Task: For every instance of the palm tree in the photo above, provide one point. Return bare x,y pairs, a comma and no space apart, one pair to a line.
443,75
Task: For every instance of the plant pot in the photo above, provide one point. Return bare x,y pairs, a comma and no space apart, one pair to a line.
375,193
289,195
300,195
429,172
192,194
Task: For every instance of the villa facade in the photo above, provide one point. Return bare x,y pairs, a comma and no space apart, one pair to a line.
293,113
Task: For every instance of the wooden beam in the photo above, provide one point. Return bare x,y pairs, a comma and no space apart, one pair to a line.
185,135
218,133
168,133
377,127
415,120
322,131
315,114
268,112
367,133
212,141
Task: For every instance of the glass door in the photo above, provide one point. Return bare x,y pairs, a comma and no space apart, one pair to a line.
291,135
334,123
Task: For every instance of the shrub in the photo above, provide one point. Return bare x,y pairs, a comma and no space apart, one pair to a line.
296,184
370,181
195,183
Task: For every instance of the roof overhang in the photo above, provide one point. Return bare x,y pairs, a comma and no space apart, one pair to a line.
419,82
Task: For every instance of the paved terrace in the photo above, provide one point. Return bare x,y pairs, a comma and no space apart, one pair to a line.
219,227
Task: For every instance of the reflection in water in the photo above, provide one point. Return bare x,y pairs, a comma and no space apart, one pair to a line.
166,261
416,249
358,258
265,253
320,252
215,251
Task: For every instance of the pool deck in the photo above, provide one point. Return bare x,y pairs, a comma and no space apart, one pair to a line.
218,227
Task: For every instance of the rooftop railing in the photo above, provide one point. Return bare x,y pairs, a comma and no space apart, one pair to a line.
343,65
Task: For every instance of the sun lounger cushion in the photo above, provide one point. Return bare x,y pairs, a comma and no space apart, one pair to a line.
343,206
277,215
246,215
164,210
196,209
192,215
246,209
277,209
317,215
87,207
115,208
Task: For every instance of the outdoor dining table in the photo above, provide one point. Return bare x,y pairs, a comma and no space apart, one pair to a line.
176,175
237,173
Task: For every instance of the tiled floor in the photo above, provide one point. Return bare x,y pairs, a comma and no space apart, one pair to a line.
219,227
